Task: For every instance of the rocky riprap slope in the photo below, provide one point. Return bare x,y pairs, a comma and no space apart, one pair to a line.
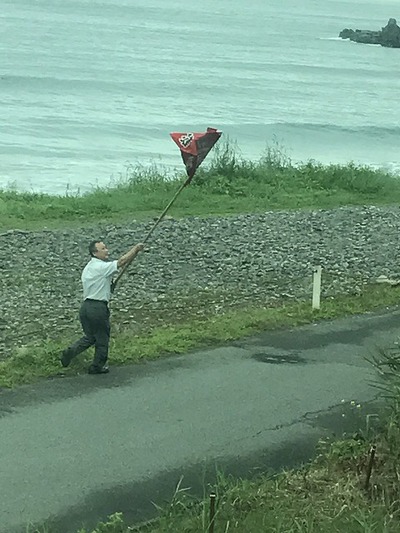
194,265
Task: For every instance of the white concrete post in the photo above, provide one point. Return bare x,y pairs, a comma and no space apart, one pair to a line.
316,296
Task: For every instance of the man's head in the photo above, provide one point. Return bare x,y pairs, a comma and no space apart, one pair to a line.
98,249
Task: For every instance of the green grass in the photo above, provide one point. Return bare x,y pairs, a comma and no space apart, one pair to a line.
327,495
313,500
228,184
37,360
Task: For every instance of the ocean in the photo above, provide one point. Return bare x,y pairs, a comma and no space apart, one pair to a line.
88,87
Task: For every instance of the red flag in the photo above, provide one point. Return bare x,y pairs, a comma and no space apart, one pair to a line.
194,147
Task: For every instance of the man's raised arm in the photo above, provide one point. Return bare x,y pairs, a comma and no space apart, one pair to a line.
130,255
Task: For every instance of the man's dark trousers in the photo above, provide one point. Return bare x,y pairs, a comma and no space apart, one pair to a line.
95,319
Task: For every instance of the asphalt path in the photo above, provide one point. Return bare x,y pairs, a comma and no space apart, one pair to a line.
73,450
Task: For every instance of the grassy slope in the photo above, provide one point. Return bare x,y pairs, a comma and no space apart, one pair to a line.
31,362
228,185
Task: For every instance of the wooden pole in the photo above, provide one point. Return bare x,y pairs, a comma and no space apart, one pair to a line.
212,513
370,464
123,269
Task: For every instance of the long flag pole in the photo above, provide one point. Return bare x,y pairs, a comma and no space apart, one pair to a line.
194,148
121,272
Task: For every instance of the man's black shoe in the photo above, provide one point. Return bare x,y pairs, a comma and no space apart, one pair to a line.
98,370
64,359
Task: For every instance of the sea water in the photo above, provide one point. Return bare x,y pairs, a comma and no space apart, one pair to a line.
88,87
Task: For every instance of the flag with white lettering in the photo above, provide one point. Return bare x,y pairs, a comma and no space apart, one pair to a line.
194,147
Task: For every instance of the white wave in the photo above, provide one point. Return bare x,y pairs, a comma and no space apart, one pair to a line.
331,39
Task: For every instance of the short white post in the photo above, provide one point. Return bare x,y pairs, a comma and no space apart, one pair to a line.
316,295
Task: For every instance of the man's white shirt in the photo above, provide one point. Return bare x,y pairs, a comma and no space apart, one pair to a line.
96,279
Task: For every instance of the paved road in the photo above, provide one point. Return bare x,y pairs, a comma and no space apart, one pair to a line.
76,449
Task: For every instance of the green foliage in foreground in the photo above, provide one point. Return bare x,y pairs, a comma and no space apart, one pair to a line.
229,184
33,361
326,496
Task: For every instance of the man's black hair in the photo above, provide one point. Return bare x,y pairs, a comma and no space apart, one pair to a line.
93,247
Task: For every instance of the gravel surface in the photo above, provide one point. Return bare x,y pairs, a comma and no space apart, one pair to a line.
194,265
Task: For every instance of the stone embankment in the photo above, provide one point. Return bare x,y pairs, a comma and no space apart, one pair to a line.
192,266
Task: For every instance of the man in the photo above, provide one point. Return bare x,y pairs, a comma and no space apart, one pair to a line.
94,314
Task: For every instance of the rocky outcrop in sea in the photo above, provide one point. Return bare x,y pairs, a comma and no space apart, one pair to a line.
388,36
